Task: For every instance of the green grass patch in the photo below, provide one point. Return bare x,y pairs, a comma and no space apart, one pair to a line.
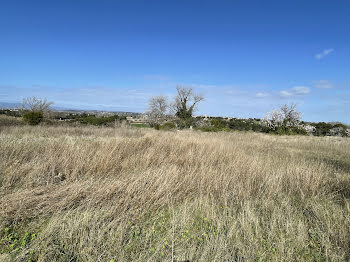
140,125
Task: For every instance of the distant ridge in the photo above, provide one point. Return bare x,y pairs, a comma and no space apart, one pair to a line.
9,105
12,105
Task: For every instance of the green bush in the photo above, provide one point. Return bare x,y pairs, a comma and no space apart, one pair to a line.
140,125
251,124
185,122
33,117
322,129
99,121
298,131
218,123
282,130
209,129
167,126
156,126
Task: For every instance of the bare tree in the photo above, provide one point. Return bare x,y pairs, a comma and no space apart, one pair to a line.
185,102
158,107
36,104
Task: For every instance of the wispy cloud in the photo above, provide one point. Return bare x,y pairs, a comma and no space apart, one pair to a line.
262,94
324,53
295,91
325,84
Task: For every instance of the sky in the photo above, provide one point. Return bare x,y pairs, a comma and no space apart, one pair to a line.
246,57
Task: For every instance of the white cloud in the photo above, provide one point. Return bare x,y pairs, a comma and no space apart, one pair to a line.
295,91
301,90
285,93
325,84
262,94
324,53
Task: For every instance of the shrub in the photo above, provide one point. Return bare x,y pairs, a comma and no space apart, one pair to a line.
10,121
33,117
209,129
185,122
298,130
309,129
218,123
338,131
99,121
322,129
245,124
167,126
140,125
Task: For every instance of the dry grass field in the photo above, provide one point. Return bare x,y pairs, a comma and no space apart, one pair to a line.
128,194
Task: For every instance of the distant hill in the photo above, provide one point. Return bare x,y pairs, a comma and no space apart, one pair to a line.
9,105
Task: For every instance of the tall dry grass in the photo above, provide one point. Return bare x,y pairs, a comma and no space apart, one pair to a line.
104,194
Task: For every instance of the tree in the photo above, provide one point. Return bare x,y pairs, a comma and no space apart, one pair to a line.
33,117
36,109
158,107
185,102
284,119
36,104
291,117
273,119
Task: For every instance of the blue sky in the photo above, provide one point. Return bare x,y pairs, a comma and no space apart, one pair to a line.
245,57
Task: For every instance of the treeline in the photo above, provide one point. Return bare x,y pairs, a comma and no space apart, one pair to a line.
37,117
220,124
256,125
89,119
98,121
285,120
178,114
